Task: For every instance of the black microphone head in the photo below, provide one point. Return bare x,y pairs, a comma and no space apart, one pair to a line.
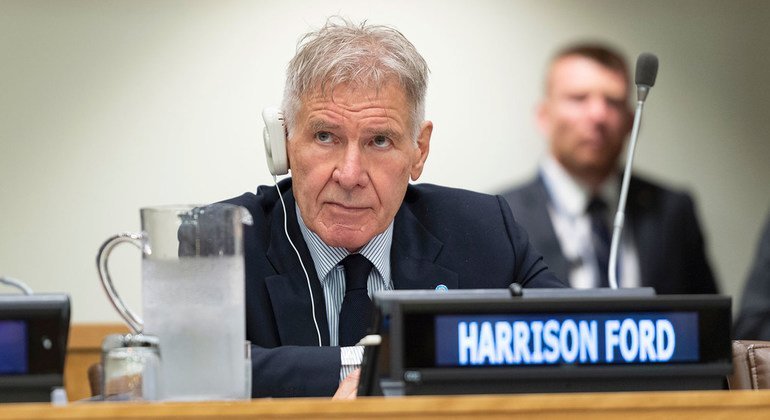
646,69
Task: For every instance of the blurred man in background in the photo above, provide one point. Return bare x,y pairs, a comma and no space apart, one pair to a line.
567,209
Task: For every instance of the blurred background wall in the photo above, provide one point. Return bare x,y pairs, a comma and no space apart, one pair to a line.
109,106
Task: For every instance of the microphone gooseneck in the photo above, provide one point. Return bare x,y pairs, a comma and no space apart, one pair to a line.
646,72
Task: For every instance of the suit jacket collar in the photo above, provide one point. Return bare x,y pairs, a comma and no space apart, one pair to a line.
548,244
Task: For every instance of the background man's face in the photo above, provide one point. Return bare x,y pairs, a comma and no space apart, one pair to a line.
351,157
585,116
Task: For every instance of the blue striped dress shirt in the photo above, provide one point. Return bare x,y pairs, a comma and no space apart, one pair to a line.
332,277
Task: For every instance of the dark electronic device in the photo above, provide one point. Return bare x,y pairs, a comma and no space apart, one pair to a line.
546,340
33,343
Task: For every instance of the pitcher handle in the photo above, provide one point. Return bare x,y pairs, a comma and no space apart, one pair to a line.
137,240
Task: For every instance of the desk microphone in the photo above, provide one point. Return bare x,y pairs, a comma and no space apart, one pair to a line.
646,71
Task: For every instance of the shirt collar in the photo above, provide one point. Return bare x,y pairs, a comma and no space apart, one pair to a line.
326,257
570,196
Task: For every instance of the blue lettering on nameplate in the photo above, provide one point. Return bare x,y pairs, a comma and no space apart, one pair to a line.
545,339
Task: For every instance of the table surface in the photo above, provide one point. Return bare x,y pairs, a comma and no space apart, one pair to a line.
625,405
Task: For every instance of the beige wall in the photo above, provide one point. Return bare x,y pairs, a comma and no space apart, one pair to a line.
108,106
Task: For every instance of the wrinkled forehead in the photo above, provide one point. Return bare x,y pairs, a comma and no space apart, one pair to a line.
370,89
356,96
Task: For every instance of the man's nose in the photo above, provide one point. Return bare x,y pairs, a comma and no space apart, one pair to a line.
351,172
598,109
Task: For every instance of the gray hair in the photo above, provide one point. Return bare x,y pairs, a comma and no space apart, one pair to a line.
360,54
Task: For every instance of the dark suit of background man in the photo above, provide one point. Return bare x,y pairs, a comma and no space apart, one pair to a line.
585,117
354,112
753,321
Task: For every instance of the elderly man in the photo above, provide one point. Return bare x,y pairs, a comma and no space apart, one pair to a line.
567,208
352,224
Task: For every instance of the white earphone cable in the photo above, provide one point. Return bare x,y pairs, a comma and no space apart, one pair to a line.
307,277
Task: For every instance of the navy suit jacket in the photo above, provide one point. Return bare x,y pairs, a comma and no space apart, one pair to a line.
668,238
441,236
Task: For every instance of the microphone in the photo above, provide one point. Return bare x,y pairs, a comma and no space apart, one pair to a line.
646,71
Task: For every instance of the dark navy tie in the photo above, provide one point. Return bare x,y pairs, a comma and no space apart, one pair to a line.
600,237
356,311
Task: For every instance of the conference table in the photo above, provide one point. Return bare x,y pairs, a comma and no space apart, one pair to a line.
620,405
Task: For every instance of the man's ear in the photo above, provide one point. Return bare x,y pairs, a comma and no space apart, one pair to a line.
422,149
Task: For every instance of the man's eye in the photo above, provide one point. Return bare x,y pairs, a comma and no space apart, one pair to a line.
381,141
323,136
617,103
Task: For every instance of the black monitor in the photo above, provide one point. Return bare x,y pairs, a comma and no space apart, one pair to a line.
33,344
484,341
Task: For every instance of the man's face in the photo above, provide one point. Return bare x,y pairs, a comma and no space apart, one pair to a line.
351,157
585,116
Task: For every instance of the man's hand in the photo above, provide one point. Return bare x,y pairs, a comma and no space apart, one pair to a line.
348,389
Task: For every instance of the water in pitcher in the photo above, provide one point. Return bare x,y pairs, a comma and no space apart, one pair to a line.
195,307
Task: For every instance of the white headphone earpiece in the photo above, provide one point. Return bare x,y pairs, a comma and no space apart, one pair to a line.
275,141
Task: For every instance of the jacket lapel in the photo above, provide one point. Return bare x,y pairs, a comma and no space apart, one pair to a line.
413,255
538,220
288,289
643,221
